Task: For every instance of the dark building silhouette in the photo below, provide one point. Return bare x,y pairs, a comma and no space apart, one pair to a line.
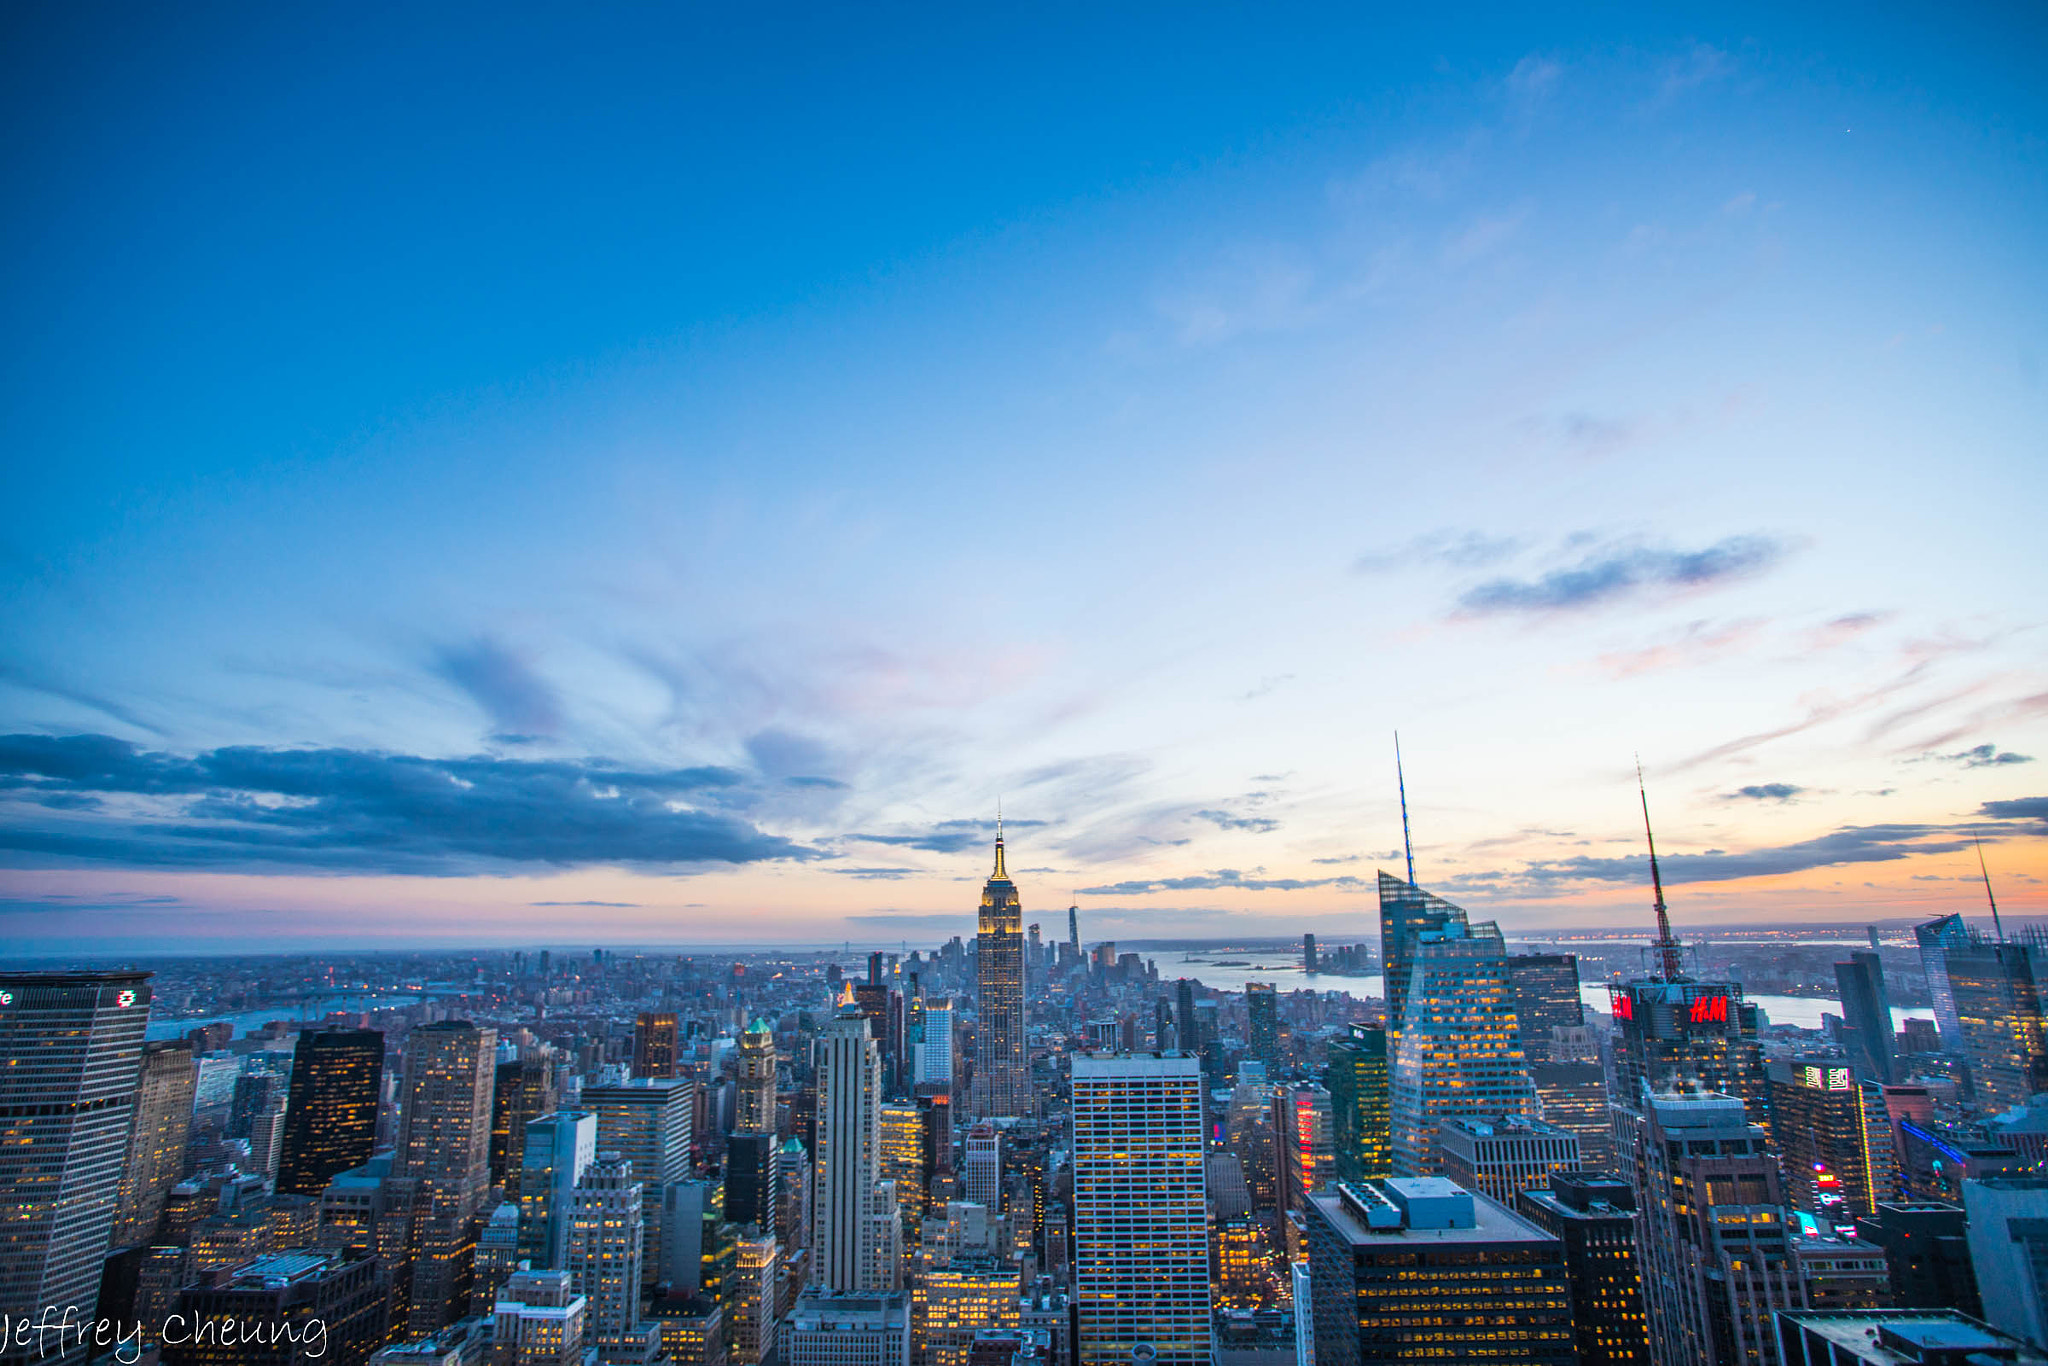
1594,1215
1546,987
1360,1118
330,1119
1927,1253
1866,1016
285,1309
657,1046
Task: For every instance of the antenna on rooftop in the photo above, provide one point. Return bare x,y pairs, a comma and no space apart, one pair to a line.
1667,947
1996,924
1401,781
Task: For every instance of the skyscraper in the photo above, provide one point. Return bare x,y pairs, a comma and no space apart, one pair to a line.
330,1120
657,1045
1305,1126
156,1139
557,1150
1186,1033
1002,1075
756,1104
73,1045
1406,912
1935,939
1866,1015
1419,1269
444,1143
848,1233
1358,1080
1823,1128
524,1089
646,1121
1501,1158
606,1243
1995,985
1458,1051
1594,1215
1309,964
1546,998
1262,1027
1141,1247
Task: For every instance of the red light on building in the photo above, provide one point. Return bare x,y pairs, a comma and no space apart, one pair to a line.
1710,1010
1624,1004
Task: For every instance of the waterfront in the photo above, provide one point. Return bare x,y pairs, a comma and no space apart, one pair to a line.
310,1009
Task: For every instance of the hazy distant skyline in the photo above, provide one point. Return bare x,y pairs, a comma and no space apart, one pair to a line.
644,477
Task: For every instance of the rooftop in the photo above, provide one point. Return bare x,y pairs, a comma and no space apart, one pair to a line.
1910,1337
1491,1223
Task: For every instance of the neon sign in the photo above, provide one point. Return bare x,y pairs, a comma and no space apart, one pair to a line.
1624,1005
1710,1010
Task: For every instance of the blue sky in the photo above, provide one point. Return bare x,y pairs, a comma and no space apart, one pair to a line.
467,463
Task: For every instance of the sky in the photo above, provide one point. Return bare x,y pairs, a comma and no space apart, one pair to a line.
650,475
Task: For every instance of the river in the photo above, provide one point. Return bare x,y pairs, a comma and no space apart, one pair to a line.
312,1009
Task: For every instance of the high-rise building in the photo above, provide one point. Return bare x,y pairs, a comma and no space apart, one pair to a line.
751,1297
156,1139
557,1150
901,1158
540,1321
981,1167
1682,1033
1304,1122
645,1120
1935,939
444,1143
1310,965
1420,1269
1187,1036
1002,1070
950,1305
1926,1252
1458,1051
332,1301
793,1196
1995,985
73,1048
1546,989
1141,1248
1406,913
849,1237
756,1101
1594,1215
606,1243
330,1120
657,1045
934,1057
1819,1116
1866,1015
1715,1238
1573,1096
1501,1158
847,1328
525,1088
1359,1083
2008,1234
1895,1337
751,1179
1262,1024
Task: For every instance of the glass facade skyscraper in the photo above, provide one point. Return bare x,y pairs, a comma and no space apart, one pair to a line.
1359,1079
330,1116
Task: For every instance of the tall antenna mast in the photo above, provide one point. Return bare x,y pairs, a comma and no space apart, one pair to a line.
1667,947
1401,781
1995,922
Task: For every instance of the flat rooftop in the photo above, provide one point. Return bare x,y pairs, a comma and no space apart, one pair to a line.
1906,1337
1491,1223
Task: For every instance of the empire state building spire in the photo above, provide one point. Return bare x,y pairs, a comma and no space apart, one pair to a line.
1002,1072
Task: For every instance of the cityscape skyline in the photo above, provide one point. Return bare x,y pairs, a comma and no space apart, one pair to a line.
578,510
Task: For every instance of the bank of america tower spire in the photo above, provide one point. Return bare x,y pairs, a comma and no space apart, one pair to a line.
1002,1077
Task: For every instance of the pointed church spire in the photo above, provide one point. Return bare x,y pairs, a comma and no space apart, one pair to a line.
1667,947
1401,781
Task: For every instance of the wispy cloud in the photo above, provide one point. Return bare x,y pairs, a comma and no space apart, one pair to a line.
1978,756
1764,792
521,707
1615,573
947,837
1220,878
621,905
1223,820
1453,549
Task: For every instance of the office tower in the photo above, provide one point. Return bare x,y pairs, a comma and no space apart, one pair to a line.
750,1299
330,1121
1501,1158
1926,1253
846,1226
2008,1235
756,1101
1251,1134
901,1159
301,1300
1458,1050
1840,1273
935,1049
1002,1072
1935,939
1573,1096
497,1256
1262,1028
1305,1129
1245,1273
692,1257
1895,1337
1714,1239
1594,1215
1309,963
73,1045
982,1167
1866,1015
751,1179
540,1321
1824,1131
253,1091
1546,989
1917,1035
156,1139
1998,1010
557,1150
645,1120
846,1328
1141,1263
657,1046
1419,1269
1359,1083
1406,913
1074,932
1187,1037
793,1196
266,1140
607,1240
950,1305
523,1089
444,1143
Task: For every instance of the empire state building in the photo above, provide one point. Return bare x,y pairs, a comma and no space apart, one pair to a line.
1002,1072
